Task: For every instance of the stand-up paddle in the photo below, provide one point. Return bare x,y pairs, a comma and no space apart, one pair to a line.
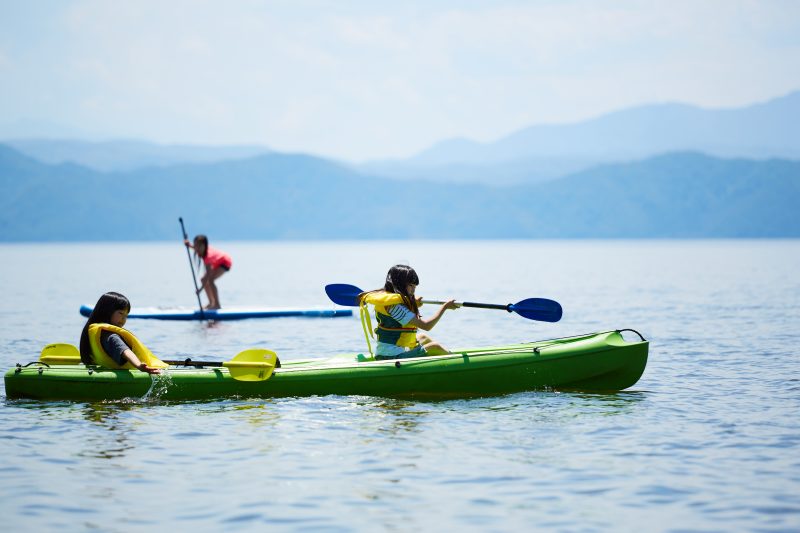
540,309
191,265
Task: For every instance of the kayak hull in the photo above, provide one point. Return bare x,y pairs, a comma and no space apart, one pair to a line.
601,362
155,313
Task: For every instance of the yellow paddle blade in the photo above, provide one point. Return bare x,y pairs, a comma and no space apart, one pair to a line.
255,364
60,353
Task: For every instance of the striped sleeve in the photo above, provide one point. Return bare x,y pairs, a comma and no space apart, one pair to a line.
401,313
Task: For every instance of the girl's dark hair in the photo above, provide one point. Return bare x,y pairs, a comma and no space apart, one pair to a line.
204,240
103,309
201,239
397,280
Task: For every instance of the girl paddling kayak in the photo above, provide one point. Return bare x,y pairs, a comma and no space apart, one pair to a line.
399,319
216,262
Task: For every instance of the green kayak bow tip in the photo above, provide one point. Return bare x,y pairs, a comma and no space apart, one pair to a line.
540,309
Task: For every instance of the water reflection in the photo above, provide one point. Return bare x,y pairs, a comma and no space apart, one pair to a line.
392,417
113,442
259,414
622,401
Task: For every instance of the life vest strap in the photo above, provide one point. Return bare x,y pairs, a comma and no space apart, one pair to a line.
385,328
366,323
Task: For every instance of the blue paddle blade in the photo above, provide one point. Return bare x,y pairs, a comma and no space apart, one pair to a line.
343,294
540,309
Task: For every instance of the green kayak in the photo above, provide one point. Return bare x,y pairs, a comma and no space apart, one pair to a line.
595,362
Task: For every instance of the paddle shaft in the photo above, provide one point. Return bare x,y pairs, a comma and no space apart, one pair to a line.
507,307
189,362
191,265
200,364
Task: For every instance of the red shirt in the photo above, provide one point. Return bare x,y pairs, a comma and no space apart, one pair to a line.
216,258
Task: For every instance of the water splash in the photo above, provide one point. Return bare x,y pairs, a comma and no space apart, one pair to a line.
159,385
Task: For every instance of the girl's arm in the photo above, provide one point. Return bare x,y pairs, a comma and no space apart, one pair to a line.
203,282
427,324
187,243
130,356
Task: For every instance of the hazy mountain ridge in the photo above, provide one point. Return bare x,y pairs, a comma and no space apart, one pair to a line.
535,154
542,152
123,155
763,130
285,196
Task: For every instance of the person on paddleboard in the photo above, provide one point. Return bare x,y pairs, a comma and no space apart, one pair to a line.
105,343
216,262
399,319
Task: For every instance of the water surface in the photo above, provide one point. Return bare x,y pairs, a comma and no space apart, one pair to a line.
708,440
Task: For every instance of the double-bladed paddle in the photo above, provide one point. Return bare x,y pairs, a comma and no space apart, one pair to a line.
540,309
254,364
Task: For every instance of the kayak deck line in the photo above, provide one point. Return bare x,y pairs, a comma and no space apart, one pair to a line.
346,361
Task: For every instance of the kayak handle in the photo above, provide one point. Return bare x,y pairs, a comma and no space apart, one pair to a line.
634,331
20,366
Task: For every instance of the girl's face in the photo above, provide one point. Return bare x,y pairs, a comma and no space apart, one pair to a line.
200,247
119,317
411,288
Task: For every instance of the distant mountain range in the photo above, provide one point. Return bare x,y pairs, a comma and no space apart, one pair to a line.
280,196
113,156
534,154
666,170
542,152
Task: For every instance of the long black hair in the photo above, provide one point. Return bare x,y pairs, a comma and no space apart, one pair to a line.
397,280
103,309
200,239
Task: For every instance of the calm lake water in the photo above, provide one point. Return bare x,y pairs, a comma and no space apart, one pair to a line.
708,440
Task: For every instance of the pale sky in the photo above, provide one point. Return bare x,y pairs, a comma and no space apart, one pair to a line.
369,79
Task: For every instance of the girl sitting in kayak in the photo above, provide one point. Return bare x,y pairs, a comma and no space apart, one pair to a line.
397,313
105,343
217,263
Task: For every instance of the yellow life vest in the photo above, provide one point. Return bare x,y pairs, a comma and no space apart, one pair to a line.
101,358
381,300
